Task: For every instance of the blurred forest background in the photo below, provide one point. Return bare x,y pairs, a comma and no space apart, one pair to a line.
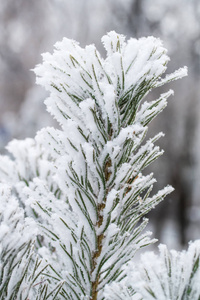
30,27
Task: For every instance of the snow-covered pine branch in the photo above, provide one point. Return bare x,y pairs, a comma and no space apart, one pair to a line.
27,160
99,157
169,275
83,184
19,265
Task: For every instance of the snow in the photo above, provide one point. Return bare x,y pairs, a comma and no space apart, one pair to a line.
180,73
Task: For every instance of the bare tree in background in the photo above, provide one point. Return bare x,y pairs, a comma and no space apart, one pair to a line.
167,20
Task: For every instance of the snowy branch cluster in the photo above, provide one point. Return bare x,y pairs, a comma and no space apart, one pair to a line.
73,199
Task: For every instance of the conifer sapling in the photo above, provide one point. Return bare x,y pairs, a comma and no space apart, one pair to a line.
83,183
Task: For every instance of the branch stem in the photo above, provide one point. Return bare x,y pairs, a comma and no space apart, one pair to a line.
100,237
